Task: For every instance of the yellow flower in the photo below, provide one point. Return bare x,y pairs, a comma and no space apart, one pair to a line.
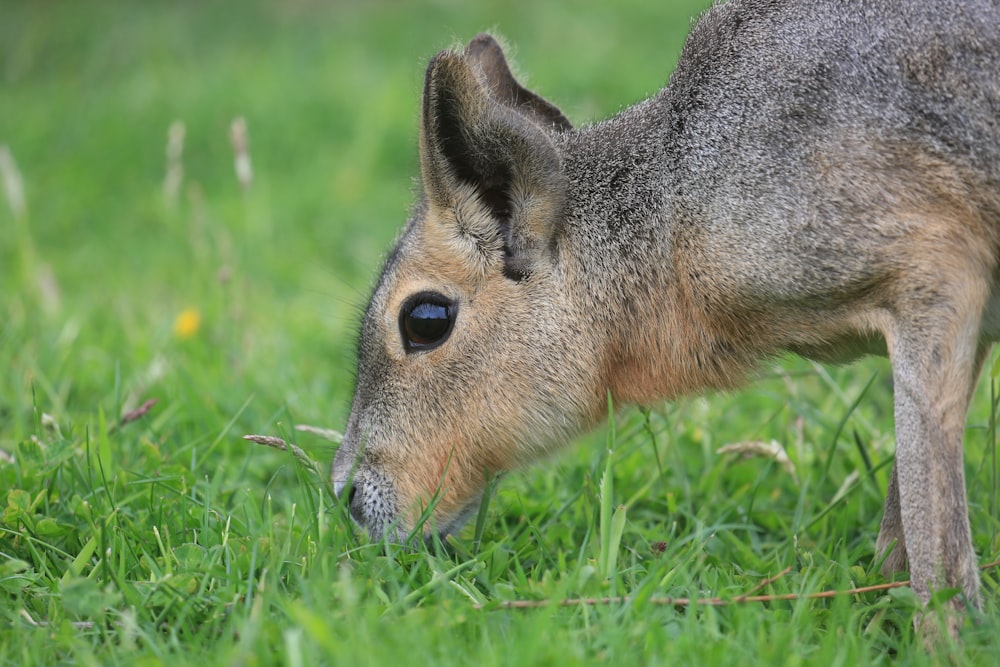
187,323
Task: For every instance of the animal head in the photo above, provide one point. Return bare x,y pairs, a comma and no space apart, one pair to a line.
471,357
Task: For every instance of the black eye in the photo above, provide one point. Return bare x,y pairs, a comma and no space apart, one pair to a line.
426,320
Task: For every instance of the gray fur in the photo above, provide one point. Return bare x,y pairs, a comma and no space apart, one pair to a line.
818,176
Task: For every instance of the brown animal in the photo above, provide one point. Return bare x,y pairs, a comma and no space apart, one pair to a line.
818,176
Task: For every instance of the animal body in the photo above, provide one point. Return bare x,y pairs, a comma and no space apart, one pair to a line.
817,176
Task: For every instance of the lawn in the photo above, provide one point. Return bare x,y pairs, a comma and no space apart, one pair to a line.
157,303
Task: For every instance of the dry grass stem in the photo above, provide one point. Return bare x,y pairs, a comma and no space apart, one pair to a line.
175,166
300,455
764,583
139,412
711,602
771,450
13,184
240,140
325,433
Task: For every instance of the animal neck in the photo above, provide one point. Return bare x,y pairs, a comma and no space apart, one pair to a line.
656,338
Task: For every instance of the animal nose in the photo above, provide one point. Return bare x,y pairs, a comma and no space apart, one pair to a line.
352,500
353,506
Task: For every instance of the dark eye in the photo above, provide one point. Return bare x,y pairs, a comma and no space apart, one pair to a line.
426,320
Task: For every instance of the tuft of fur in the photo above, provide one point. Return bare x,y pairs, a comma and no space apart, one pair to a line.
817,176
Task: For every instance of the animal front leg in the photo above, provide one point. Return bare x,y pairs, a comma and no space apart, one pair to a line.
933,368
890,535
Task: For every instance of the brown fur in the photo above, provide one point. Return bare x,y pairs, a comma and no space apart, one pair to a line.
813,179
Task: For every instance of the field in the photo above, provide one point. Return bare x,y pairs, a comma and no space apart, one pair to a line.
157,303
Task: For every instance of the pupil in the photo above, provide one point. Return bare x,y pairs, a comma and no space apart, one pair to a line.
427,322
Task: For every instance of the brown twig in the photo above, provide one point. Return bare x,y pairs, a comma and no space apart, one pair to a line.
684,602
711,602
139,412
763,584
134,415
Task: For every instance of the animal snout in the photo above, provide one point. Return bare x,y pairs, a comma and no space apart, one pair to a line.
369,495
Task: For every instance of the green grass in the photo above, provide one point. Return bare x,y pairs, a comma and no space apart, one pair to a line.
170,540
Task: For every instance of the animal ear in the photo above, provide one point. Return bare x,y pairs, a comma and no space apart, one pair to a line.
472,144
486,57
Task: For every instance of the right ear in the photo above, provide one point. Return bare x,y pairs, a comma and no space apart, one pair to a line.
468,139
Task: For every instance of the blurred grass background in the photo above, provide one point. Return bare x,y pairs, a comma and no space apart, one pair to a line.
235,308
330,95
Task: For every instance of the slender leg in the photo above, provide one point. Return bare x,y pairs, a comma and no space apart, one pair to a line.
935,354
890,533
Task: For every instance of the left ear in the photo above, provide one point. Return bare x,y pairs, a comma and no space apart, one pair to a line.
486,57
470,140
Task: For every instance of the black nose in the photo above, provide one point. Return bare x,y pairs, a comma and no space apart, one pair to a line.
354,504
